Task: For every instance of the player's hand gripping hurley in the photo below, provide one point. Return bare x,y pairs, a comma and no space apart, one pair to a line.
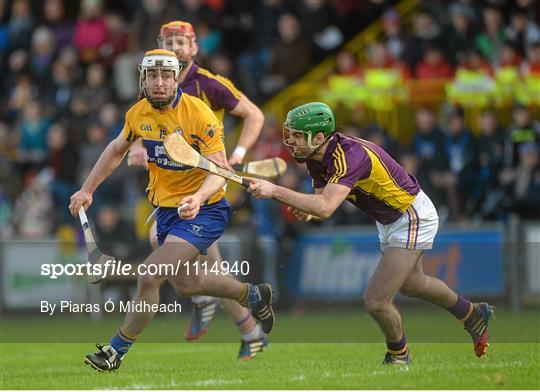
179,150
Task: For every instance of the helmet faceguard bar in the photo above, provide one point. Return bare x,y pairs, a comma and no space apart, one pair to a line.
160,61
168,34
308,137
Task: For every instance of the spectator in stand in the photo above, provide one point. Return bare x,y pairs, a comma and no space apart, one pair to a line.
18,85
473,61
17,64
433,65
394,36
209,40
522,183
113,188
33,136
378,135
42,56
149,17
54,17
522,130
79,118
425,31
95,90
410,162
462,152
490,156
62,86
347,65
509,56
319,25
20,25
379,58
522,31
90,151
63,160
110,119
531,7
270,142
459,35
344,85
116,40
256,61
90,31
428,145
291,45
196,12
491,39
532,64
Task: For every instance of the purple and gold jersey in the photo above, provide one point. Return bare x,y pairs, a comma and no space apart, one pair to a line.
379,185
218,92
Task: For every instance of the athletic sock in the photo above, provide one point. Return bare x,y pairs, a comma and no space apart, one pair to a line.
462,309
398,349
250,295
122,342
249,328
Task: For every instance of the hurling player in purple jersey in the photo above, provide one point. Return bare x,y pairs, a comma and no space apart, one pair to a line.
221,95
353,169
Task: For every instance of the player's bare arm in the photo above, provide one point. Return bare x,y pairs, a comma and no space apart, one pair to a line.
303,216
210,186
321,205
253,122
105,165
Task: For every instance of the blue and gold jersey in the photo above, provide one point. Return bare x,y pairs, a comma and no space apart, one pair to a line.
169,181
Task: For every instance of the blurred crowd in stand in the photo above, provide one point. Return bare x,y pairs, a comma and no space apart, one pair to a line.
69,72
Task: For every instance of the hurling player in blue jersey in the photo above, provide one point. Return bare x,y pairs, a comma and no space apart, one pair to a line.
221,95
183,236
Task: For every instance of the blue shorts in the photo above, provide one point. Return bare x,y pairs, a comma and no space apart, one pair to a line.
201,232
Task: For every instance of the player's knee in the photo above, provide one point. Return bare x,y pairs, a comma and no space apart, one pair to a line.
412,287
409,291
147,282
190,286
374,304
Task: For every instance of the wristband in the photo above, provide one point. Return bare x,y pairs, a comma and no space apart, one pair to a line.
240,151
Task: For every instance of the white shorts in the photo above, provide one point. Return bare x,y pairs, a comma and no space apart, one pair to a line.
415,229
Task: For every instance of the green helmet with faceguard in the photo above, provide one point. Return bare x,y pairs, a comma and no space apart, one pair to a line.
308,119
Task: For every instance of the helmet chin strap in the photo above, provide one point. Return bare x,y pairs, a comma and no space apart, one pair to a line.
316,150
160,103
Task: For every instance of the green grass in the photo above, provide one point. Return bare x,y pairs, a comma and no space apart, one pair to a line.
513,359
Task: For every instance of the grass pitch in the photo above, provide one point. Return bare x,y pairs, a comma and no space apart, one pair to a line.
313,361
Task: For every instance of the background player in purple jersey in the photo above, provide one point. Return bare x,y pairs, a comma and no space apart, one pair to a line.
353,169
220,94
